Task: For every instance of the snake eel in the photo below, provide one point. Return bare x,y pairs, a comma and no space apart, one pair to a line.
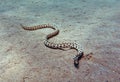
54,45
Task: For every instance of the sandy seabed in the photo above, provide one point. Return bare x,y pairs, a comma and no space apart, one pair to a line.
94,24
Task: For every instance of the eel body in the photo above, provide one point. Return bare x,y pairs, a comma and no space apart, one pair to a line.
61,45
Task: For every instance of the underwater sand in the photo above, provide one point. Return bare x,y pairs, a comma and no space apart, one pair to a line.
94,24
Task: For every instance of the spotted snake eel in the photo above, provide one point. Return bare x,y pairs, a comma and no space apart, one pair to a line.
57,45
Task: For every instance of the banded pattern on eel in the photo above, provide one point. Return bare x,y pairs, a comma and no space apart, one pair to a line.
61,45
